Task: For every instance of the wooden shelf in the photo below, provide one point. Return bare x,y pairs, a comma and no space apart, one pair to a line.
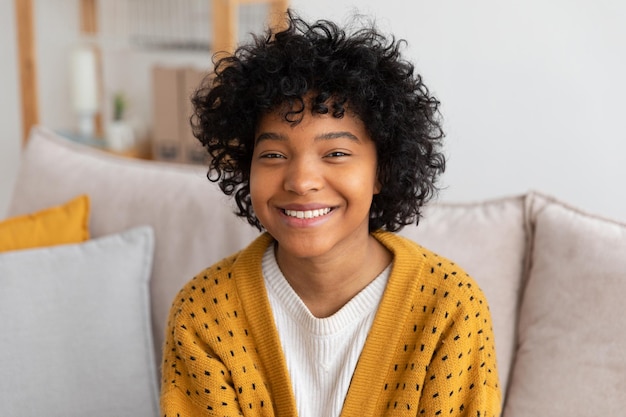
224,21
27,64
223,24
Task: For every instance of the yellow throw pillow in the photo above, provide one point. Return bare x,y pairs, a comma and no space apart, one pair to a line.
66,223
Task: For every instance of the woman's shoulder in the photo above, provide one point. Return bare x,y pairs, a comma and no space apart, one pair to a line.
220,277
429,270
410,252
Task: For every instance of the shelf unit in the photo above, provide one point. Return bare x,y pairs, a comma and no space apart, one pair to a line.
223,25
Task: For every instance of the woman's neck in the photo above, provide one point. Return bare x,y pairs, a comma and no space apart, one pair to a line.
326,284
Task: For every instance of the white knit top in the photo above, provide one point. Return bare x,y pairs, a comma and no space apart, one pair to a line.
321,354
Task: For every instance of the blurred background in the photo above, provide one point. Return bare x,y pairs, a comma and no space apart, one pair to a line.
533,93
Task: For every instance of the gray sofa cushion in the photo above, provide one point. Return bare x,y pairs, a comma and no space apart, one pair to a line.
75,338
571,359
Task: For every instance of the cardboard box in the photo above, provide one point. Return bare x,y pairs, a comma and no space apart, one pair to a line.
192,150
166,143
172,138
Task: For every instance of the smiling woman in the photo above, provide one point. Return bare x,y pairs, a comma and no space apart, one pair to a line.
329,142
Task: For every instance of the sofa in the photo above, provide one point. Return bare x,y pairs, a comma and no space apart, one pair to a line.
554,276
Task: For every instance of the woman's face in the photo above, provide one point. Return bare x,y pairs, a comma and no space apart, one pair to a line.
312,183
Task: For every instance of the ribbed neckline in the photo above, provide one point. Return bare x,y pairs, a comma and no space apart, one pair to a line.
364,303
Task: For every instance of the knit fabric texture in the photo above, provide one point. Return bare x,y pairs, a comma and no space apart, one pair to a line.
430,351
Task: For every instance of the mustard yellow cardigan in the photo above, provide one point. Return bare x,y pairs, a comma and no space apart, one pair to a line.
430,351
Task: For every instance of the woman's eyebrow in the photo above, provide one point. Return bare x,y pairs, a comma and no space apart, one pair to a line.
323,136
269,136
337,135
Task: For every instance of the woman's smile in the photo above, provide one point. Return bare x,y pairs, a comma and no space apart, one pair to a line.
308,214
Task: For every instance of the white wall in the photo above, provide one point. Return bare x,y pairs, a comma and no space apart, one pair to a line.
532,92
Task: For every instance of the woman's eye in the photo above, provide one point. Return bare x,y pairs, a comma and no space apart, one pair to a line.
271,155
337,154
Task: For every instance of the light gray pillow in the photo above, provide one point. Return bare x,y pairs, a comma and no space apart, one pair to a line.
571,358
75,334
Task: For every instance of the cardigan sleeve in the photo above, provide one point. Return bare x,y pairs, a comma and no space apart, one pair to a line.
462,378
211,365
195,382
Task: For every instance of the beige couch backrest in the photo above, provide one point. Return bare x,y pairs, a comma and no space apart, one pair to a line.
574,264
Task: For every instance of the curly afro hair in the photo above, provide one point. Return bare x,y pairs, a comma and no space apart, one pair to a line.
362,72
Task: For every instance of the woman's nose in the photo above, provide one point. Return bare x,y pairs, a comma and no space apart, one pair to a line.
303,176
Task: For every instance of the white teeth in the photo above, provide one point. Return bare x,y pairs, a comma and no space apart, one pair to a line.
308,214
